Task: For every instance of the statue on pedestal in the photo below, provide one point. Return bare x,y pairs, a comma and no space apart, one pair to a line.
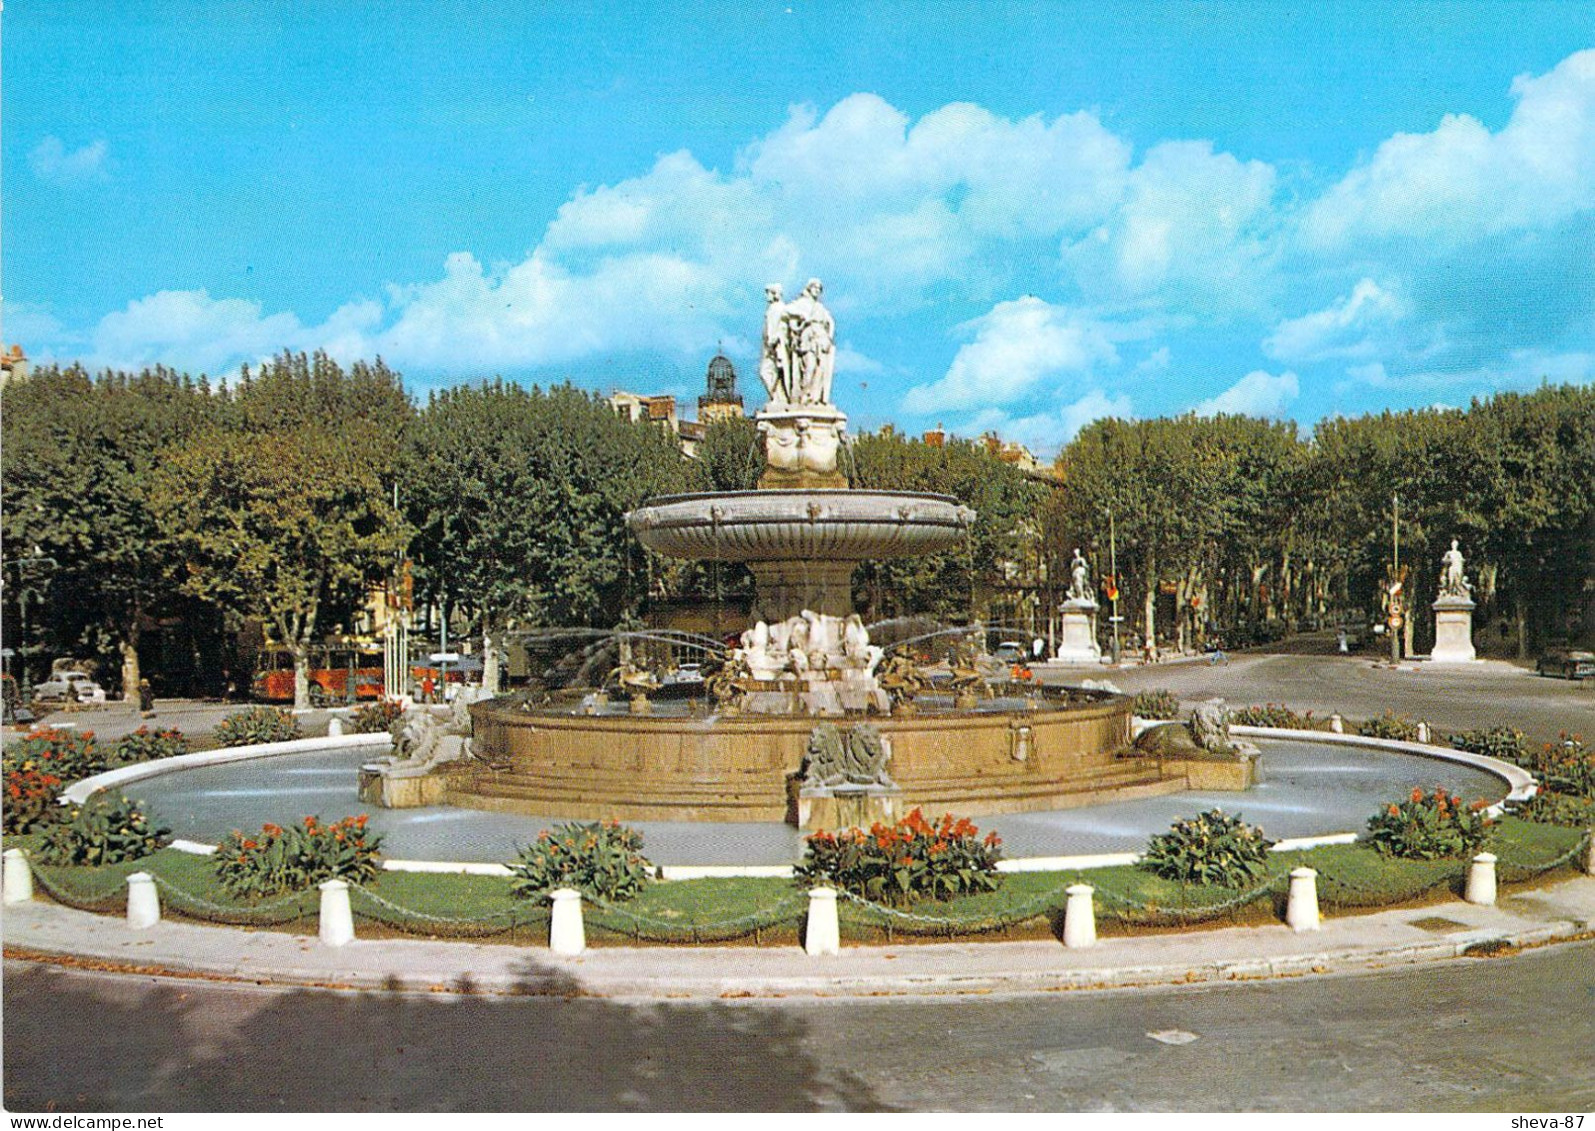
775,363
1452,581
811,340
1079,582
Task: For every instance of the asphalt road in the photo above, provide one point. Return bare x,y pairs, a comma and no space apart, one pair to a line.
1508,1034
1455,697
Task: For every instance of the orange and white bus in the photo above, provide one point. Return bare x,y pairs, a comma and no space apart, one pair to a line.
332,670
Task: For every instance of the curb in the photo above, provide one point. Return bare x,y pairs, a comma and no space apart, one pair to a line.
369,965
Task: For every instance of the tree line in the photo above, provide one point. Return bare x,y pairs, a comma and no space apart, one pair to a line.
287,497
1254,529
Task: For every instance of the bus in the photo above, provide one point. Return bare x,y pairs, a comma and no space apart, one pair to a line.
338,674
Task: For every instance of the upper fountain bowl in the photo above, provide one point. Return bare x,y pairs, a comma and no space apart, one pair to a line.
836,525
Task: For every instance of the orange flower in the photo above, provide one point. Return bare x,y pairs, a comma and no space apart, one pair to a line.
1417,794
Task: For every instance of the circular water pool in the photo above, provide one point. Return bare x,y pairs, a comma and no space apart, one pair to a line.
1308,789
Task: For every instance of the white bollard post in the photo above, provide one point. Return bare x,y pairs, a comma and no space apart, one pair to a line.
566,934
1301,909
337,918
335,727
1337,724
1423,733
143,902
18,877
1481,880
1589,854
824,934
1080,917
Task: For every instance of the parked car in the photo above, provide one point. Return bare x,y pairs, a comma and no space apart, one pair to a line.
1565,663
72,686
1010,652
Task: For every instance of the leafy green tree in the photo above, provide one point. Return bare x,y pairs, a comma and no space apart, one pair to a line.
1002,545
282,510
518,498
78,457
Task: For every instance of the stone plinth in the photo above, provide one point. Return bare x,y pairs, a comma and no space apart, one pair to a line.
848,806
1453,631
1078,644
800,446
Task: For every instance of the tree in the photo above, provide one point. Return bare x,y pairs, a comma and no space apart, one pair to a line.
78,460
282,509
1001,546
518,499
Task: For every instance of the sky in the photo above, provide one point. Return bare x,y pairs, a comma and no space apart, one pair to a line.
1026,216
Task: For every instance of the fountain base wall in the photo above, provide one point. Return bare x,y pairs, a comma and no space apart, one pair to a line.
744,768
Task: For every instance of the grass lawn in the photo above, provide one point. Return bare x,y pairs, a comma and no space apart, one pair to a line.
1028,904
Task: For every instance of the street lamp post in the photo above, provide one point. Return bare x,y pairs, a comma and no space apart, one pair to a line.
1113,593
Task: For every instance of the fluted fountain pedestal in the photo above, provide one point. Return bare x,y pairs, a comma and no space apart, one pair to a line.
801,545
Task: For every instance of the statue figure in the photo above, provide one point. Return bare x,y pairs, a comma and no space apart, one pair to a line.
1452,581
1079,586
775,364
797,644
421,740
1210,722
811,334
857,651
857,756
903,680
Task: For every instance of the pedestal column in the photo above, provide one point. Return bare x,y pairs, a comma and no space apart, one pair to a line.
1453,631
1078,643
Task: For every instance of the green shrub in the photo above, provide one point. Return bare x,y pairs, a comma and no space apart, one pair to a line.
1566,766
1429,827
1551,808
31,799
912,859
1272,715
1213,848
145,745
105,829
257,725
1390,725
1158,704
377,717
600,860
280,860
67,754
1498,742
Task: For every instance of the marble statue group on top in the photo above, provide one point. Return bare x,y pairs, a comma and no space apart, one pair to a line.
798,364
1453,583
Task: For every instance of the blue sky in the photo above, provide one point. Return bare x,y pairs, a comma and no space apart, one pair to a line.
1026,216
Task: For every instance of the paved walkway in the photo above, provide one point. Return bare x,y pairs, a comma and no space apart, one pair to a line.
1384,939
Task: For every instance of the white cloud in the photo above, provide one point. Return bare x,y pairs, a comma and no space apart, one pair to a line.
1460,181
1156,361
1259,393
190,330
1193,225
52,163
1356,326
1518,369
1044,433
1017,346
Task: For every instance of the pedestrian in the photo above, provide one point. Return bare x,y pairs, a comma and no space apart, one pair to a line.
426,688
146,699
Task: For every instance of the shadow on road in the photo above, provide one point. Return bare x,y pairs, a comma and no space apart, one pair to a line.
75,1043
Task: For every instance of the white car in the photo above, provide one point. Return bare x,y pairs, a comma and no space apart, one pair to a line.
73,686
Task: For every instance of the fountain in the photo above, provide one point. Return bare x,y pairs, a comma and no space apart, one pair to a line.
810,725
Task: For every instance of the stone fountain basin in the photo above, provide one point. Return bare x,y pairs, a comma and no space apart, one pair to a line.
836,525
